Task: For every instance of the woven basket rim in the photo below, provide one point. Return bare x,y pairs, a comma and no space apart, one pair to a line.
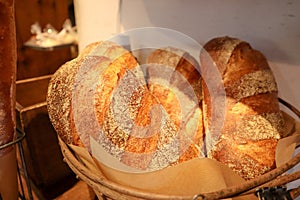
82,172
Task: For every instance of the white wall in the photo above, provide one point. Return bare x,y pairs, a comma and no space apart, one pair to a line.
271,26
96,20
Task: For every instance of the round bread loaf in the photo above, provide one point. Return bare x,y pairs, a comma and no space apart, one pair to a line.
102,101
253,122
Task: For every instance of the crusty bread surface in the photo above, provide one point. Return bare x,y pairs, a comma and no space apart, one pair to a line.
139,123
253,122
160,116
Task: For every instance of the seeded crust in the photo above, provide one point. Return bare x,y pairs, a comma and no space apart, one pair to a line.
184,76
251,129
258,82
122,103
59,97
182,63
249,159
61,90
253,122
157,142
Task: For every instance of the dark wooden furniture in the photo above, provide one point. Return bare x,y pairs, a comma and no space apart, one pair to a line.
48,173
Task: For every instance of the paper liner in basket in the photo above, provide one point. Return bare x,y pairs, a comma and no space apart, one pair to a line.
188,178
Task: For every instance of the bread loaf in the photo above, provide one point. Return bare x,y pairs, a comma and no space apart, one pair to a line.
178,70
253,122
59,97
103,100
102,97
181,64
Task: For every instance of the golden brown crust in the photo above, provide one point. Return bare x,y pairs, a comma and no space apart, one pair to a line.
141,146
109,79
138,133
183,64
220,50
249,159
169,57
144,146
59,97
140,123
192,146
243,61
253,122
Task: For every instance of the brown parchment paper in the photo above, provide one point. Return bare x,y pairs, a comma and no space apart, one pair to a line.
191,177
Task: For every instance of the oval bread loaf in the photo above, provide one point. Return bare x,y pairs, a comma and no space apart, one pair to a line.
178,69
59,97
253,122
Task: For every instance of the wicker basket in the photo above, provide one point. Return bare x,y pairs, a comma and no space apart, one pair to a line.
106,189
